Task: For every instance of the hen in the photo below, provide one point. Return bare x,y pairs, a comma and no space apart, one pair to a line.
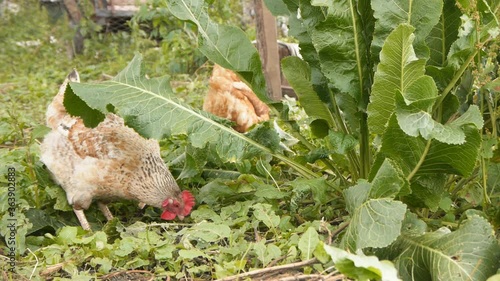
108,162
228,97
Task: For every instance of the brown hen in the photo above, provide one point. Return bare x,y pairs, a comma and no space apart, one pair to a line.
228,97
108,162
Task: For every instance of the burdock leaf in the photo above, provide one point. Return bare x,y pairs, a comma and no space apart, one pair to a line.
361,267
391,13
456,159
341,41
225,45
375,223
398,69
298,74
150,107
469,253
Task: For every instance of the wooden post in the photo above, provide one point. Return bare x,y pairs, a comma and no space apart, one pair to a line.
268,49
75,17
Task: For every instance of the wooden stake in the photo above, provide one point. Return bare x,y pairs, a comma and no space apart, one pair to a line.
268,49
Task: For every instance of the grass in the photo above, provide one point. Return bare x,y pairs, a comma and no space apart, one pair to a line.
30,75
241,222
34,62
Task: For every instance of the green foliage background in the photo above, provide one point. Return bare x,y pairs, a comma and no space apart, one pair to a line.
391,149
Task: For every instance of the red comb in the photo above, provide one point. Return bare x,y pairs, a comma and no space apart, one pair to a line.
189,201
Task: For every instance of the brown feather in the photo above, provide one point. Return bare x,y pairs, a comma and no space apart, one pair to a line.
228,97
105,163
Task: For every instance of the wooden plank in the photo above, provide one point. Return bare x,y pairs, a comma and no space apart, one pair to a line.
268,49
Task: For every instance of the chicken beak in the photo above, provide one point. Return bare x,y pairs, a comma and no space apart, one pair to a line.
180,217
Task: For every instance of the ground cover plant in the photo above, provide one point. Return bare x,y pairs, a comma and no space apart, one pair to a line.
389,168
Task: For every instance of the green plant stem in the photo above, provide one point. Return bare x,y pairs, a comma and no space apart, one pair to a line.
453,81
458,75
486,199
493,117
450,224
308,145
353,160
462,182
364,147
363,162
302,170
332,167
420,161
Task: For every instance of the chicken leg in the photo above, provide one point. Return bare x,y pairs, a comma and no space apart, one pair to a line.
83,219
105,210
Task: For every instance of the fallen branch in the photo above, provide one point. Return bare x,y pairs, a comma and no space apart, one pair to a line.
52,269
144,273
269,270
339,277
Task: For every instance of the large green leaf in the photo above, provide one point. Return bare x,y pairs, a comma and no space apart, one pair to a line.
298,74
340,142
304,17
306,20
91,117
391,13
398,69
415,121
376,217
453,158
443,34
388,181
225,45
469,253
361,267
400,84
342,45
427,191
441,157
40,220
357,195
375,223
277,7
149,106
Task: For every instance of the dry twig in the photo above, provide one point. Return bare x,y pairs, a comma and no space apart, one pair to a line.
269,270
311,277
146,273
52,269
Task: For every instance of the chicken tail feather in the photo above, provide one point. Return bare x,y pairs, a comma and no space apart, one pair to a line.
56,110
